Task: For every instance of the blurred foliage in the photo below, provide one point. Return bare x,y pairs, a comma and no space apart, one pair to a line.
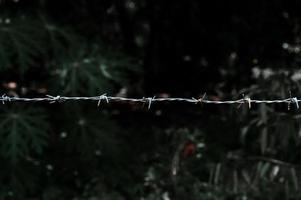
22,129
77,150
20,43
93,71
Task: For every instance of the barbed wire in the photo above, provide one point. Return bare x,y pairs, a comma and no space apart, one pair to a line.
149,100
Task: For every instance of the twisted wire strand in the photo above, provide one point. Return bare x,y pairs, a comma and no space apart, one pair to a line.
148,100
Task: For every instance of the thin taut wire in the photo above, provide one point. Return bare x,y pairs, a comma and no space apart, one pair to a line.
148,100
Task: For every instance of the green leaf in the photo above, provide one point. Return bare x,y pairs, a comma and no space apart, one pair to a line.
93,71
263,169
20,44
22,131
24,41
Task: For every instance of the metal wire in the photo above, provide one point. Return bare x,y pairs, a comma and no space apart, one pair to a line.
147,100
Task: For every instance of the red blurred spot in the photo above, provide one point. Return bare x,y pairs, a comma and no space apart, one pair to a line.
189,149
215,98
163,95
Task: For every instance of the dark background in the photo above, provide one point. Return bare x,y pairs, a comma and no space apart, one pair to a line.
136,48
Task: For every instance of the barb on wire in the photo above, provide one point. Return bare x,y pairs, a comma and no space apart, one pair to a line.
148,100
5,98
53,99
248,101
199,100
101,97
242,101
294,100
